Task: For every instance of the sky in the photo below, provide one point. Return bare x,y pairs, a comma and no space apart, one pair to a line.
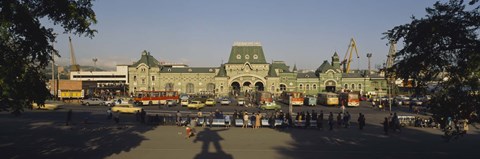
200,33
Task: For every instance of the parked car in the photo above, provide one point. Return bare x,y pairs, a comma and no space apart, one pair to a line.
171,103
210,102
125,108
92,101
241,102
114,102
225,101
406,101
196,105
49,105
270,106
416,101
184,102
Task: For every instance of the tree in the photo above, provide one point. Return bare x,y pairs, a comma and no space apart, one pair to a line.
25,45
443,47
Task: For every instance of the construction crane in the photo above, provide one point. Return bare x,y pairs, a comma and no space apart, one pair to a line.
391,54
346,62
74,66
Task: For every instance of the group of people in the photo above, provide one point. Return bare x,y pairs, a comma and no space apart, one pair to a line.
286,120
116,116
391,122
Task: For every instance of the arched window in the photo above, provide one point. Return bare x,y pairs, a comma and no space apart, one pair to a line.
359,86
307,87
346,86
169,87
210,87
314,87
300,86
353,86
283,87
190,88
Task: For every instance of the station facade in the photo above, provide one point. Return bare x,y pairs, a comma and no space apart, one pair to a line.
247,70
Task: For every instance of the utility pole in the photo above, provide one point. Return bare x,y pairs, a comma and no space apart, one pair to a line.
369,55
52,84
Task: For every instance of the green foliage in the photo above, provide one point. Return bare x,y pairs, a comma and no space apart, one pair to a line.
443,47
25,45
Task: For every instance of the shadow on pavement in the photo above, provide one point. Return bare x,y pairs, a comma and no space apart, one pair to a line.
45,135
373,143
211,137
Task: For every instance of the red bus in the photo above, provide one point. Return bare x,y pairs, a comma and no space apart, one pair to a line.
262,97
349,98
297,98
155,97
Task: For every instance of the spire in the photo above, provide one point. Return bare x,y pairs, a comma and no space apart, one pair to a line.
294,67
271,72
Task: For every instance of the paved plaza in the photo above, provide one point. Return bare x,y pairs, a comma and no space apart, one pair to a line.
43,134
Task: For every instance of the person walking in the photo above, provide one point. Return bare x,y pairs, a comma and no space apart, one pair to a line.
178,117
117,117
210,119
227,121
307,120
320,120
361,121
339,120
234,117
330,121
143,114
396,123
258,119
245,120
69,117
385,126
109,113
253,120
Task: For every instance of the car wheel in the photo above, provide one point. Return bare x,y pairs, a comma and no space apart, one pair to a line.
87,104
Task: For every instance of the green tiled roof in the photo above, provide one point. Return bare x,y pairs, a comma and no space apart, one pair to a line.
222,72
307,75
188,70
272,72
247,52
147,59
280,65
352,75
324,68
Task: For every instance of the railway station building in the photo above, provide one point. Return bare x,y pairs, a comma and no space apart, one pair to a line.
247,70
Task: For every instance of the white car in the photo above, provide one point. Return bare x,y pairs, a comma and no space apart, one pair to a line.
225,101
114,102
184,102
171,103
241,102
92,101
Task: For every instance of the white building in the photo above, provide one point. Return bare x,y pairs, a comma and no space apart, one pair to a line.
100,81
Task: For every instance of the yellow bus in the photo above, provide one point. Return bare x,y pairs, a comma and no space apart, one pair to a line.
327,98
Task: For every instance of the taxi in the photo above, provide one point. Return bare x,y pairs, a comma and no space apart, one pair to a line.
125,108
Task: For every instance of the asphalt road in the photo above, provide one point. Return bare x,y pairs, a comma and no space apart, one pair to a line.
43,134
